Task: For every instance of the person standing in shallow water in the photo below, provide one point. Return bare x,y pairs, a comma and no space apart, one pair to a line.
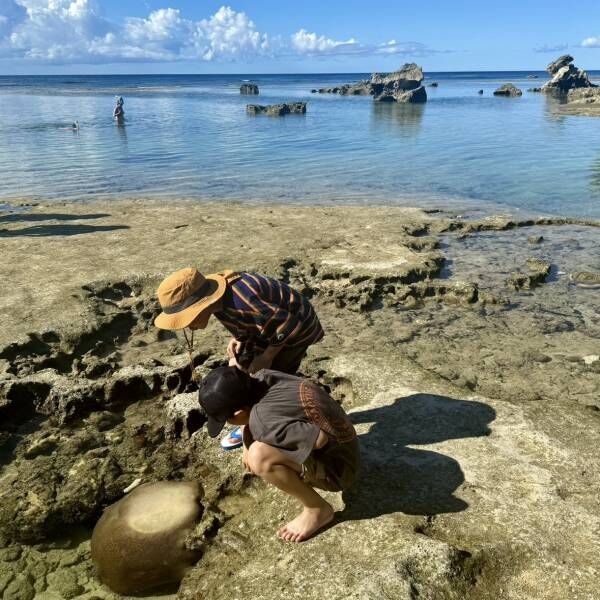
271,318
296,437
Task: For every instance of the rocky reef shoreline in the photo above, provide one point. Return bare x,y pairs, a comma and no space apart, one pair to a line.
465,349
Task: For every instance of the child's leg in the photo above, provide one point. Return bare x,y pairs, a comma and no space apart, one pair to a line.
274,467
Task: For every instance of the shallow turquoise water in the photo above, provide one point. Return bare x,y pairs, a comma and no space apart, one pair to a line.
189,136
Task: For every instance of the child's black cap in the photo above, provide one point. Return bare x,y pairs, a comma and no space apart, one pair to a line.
222,392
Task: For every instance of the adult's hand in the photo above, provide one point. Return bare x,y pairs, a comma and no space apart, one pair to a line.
262,361
233,347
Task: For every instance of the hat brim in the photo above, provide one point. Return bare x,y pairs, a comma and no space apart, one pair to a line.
185,317
214,427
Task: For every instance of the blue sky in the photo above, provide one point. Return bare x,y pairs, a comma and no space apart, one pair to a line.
185,36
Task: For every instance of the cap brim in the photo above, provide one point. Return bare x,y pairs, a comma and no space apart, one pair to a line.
185,317
214,427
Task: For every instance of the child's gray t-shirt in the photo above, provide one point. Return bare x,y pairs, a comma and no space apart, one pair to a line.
291,414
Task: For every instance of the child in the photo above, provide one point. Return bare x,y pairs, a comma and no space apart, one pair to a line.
296,437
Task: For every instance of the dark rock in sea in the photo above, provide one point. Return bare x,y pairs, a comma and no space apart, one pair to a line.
508,90
565,76
535,90
277,110
249,89
480,92
387,87
408,77
434,84
313,91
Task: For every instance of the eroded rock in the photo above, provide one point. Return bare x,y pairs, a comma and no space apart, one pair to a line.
565,76
509,90
277,110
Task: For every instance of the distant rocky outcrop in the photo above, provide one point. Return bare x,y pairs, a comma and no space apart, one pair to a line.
404,86
249,89
277,110
509,90
565,76
583,101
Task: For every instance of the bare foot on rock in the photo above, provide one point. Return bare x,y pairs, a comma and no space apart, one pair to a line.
307,523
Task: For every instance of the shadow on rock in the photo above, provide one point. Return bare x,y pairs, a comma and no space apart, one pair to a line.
396,478
58,230
12,218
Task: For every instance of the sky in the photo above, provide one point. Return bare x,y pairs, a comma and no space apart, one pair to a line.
307,36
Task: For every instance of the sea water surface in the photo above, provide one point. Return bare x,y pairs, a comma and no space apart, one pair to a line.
189,136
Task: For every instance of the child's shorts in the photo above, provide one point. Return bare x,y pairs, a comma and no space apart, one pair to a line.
334,467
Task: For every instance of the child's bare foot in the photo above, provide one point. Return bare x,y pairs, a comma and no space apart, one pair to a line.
307,523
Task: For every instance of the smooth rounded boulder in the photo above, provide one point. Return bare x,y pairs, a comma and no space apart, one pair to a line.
139,542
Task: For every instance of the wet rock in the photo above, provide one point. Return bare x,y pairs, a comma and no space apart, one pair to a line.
480,92
565,76
535,239
538,271
278,110
64,582
139,543
20,588
586,279
434,84
508,90
249,89
535,90
44,445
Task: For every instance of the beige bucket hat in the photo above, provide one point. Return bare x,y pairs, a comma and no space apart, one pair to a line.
185,294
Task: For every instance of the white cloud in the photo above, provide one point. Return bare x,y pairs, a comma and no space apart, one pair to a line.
547,48
591,42
63,31
304,42
311,43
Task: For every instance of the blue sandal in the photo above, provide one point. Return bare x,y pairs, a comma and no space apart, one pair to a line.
232,440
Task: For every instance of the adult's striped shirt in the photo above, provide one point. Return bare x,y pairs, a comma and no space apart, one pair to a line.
269,312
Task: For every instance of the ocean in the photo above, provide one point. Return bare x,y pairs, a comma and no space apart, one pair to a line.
188,136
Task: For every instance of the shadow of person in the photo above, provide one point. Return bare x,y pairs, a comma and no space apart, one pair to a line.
52,230
397,478
14,217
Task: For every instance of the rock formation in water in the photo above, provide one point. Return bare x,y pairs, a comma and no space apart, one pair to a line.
139,542
565,76
509,90
277,110
249,89
387,87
